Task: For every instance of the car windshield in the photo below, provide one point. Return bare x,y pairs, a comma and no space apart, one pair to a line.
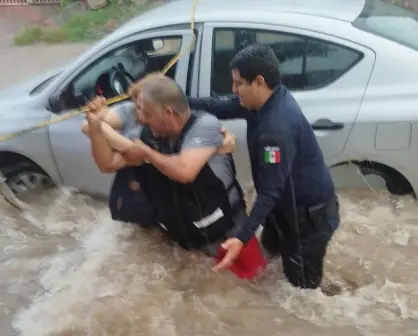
390,21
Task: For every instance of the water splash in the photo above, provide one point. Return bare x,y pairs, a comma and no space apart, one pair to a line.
83,274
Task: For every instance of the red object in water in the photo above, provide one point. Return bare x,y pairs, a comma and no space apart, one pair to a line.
250,261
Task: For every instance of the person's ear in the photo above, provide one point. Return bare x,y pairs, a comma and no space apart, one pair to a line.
168,113
259,81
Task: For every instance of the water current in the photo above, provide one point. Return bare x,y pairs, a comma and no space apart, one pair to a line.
66,269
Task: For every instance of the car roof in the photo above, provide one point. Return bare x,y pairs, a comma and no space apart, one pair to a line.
179,11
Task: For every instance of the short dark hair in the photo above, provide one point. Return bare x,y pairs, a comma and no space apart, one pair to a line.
258,60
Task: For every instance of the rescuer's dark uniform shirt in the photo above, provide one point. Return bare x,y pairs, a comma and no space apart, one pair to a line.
284,155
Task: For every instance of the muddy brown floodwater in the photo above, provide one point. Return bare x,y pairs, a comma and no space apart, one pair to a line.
66,268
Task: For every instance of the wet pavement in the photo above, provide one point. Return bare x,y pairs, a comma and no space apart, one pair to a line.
19,63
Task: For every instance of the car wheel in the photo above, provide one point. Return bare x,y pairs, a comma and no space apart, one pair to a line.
27,179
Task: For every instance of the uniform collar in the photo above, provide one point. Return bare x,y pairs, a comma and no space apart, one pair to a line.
275,96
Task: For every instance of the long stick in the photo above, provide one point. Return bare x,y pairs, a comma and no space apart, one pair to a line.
58,119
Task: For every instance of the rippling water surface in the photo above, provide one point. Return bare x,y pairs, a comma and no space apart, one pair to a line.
67,269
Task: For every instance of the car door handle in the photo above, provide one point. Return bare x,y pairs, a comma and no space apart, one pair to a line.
327,125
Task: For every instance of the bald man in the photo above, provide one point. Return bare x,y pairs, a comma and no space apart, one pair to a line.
127,202
193,189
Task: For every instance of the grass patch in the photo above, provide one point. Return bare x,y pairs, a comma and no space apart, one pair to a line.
56,35
28,35
32,35
64,3
89,25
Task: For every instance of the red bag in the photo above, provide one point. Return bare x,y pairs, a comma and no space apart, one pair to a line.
250,261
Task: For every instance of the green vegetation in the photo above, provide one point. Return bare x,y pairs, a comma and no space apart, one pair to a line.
87,25
64,3
28,35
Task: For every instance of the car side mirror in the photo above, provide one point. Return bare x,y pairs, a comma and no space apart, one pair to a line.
64,100
56,103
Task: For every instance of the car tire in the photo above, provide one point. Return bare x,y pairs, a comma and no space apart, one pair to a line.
26,178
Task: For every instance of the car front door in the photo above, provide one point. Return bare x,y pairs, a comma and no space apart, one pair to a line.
327,76
136,55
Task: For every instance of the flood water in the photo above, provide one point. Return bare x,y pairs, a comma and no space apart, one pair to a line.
66,269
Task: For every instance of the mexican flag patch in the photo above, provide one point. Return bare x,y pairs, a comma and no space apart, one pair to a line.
272,154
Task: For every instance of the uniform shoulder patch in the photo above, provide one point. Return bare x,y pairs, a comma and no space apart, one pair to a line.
272,154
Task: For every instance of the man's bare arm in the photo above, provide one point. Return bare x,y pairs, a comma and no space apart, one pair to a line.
183,167
105,157
199,146
110,123
120,144
112,119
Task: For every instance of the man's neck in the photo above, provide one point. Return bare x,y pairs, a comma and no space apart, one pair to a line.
182,121
264,97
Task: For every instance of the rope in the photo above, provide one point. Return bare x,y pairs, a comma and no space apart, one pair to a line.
109,101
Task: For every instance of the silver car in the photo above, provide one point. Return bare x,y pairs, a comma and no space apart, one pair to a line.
352,65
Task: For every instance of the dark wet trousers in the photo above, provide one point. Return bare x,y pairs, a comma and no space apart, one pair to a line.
128,201
302,241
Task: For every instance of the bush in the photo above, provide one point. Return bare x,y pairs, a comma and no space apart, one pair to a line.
29,35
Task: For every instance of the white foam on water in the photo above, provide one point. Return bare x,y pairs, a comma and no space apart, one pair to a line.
91,275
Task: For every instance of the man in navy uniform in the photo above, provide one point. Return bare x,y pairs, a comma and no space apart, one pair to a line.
296,201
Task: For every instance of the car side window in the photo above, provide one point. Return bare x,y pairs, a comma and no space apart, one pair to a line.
305,63
113,74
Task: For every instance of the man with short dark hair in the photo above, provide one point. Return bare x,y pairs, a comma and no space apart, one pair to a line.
296,201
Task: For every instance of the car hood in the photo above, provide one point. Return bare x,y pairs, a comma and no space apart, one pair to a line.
22,90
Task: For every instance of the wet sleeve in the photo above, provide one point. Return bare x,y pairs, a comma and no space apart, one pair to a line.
206,132
221,107
276,153
125,113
